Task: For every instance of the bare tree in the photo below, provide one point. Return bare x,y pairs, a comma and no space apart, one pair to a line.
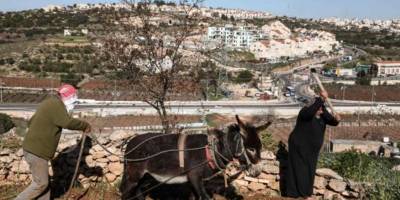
148,50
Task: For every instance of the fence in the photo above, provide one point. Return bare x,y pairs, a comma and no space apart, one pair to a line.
374,128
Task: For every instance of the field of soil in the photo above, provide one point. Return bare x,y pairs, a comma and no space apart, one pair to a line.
365,93
363,127
110,193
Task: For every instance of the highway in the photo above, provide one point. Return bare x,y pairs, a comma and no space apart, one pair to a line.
205,107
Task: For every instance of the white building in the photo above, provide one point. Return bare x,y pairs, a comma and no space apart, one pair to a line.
340,72
67,32
387,68
234,37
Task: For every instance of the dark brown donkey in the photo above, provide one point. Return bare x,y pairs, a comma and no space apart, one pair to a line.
156,155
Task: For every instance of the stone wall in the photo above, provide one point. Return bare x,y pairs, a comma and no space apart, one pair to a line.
328,184
97,165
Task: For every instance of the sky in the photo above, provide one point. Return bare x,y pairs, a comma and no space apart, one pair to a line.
372,9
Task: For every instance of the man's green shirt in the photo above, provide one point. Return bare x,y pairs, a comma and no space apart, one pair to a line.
46,125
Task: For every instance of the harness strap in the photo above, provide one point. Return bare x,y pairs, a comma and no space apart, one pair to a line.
210,160
181,148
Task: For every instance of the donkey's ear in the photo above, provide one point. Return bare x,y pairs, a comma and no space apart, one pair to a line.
239,121
263,127
243,131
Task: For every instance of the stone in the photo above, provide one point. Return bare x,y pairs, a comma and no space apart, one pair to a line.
350,194
238,183
93,178
67,144
3,171
6,159
81,177
337,185
116,168
268,155
110,177
355,186
20,152
265,181
396,168
243,190
274,185
23,177
273,193
113,158
98,154
89,161
12,177
21,167
97,148
251,179
329,195
102,160
269,177
270,169
5,152
120,135
319,191
325,172
103,141
253,186
320,182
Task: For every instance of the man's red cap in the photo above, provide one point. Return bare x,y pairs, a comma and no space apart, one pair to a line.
66,91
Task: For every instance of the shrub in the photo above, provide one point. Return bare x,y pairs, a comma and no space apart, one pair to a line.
384,183
268,142
244,77
6,123
71,78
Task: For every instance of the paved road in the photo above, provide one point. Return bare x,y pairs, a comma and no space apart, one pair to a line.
200,108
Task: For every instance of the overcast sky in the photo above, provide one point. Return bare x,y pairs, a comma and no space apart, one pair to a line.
374,9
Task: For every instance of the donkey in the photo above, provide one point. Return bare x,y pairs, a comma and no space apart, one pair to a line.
204,155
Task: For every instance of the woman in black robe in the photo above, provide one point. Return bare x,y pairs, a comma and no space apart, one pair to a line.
305,143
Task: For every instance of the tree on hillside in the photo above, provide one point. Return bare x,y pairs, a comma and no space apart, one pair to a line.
244,76
363,78
224,17
150,57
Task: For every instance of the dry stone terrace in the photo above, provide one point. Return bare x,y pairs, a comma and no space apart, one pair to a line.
99,166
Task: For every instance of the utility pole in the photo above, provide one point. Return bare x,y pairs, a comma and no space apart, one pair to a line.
1,91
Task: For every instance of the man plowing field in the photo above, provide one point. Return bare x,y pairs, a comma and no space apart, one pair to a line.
41,140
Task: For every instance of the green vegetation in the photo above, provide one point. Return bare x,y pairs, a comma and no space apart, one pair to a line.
6,123
268,142
71,78
384,182
244,76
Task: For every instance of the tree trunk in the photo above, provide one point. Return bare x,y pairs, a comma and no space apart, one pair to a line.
164,118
